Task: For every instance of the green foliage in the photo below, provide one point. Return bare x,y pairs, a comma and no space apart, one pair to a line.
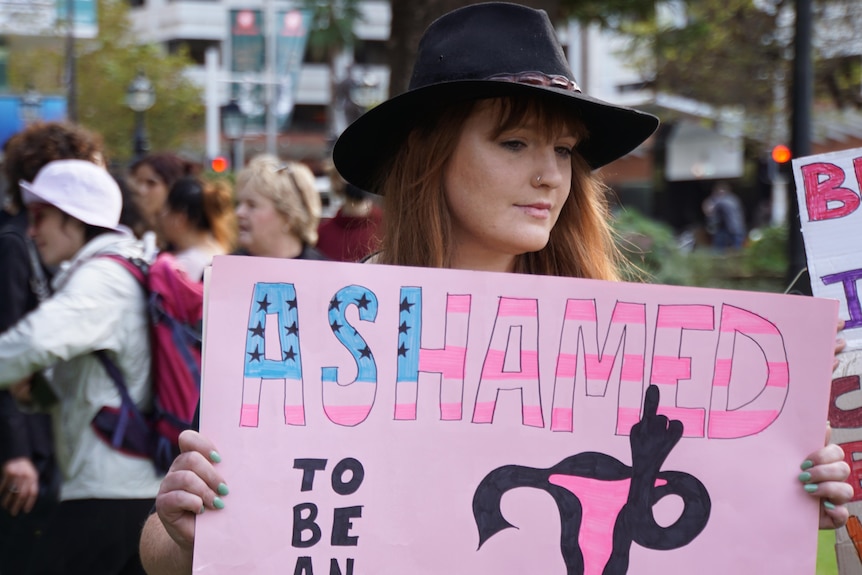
332,24
652,246
606,12
105,67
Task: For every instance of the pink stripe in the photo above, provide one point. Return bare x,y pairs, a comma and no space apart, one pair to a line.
405,411
596,369
450,411
736,319
532,415
581,310
626,418
248,416
629,313
493,368
686,316
449,361
561,419
692,418
633,368
518,307
567,364
458,304
484,411
294,414
722,372
739,423
669,370
347,415
779,374
601,502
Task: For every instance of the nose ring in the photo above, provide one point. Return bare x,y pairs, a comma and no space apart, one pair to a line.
538,180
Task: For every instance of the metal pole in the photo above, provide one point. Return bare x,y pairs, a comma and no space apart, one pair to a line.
71,81
270,30
800,131
140,138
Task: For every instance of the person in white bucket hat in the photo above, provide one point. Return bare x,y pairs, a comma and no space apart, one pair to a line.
74,209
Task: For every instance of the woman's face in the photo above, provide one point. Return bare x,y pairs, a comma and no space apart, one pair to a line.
499,208
150,191
259,223
57,237
172,225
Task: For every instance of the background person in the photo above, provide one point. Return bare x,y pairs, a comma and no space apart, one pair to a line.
30,480
485,164
354,232
198,221
725,218
278,209
151,179
74,209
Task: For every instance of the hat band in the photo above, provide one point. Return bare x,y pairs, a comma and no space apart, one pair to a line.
538,79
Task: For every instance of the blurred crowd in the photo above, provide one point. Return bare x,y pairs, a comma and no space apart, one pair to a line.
71,503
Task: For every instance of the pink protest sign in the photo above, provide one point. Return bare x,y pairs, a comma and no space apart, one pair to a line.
828,192
384,420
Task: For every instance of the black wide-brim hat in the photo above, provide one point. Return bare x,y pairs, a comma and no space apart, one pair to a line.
487,50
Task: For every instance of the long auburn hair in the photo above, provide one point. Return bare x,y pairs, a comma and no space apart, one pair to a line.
418,225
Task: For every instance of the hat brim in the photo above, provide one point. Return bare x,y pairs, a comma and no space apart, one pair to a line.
365,146
29,195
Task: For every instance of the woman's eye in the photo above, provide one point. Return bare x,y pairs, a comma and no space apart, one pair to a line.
565,151
513,145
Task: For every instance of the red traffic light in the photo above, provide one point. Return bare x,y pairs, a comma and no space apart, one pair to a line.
781,154
219,164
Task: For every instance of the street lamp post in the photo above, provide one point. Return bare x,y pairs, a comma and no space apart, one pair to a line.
140,97
233,128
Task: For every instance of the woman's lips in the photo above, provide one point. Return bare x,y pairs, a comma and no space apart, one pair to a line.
539,210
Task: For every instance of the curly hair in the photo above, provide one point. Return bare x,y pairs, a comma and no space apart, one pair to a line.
28,151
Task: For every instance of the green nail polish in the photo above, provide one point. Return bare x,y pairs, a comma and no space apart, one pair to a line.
804,477
219,504
215,457
223,490
807,464
828,504
203,508
810,487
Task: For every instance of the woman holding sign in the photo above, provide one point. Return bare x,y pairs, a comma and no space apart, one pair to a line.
485,163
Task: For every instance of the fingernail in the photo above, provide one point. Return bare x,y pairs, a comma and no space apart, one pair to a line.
219,504
828,504
223,490
807,464
203,508
809,487
804,477
215,457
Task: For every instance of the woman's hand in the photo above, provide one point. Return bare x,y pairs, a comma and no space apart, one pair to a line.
19,486
824,475
190,487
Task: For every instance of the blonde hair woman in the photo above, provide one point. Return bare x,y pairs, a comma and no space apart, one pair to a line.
278,209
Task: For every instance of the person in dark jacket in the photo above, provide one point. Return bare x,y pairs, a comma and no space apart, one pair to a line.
30,481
